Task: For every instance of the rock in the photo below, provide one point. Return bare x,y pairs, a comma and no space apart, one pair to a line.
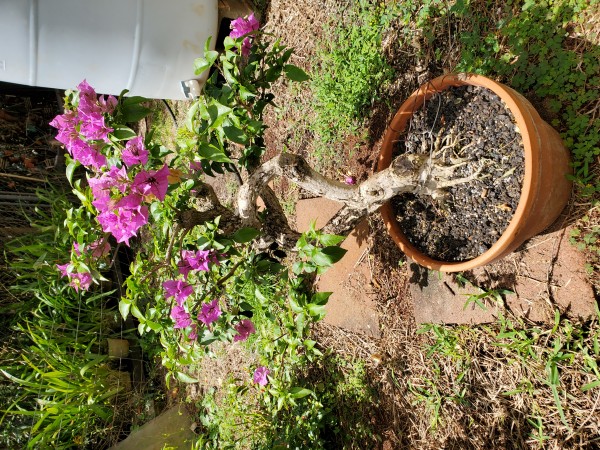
352,305
547,273
437,298
552,272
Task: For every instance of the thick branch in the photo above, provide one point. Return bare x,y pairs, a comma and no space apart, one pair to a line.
207,207
276,227
407,173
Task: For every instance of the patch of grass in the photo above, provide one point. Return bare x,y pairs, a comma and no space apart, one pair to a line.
57,386
548,373
348,74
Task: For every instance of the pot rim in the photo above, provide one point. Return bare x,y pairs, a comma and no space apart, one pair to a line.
524,122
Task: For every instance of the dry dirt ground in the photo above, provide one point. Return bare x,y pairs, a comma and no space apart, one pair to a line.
397,359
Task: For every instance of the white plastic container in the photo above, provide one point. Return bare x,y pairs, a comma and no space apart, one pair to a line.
146,46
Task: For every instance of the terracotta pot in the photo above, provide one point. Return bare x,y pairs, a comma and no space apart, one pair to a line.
545,190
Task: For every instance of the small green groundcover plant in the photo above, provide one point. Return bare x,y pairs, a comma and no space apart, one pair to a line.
194,283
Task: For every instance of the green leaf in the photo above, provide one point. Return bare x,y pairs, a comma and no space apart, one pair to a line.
133,112
320,298
135,312
185,378
203,64
245,306
207,44
212,153
244,235
298,392
73,164
295,73
317,311
331,239
134,100
328,256
124,133
153,325
228,43
124,307
236,135
592,385
217,113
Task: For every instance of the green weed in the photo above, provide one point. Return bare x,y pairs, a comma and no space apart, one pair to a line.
557,366
348,74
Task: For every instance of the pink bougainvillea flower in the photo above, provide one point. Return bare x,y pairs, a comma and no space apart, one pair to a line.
184,267
178,289
102,187
94,128
350,180
67,136
64,269
152,183
180,316
131,201
78,281
210,312
86,91
65,124
193,335
99,249
243,26
135,152
124,221
195,166
201,259
90,103
115,178
81,281
86,154
103,203
196,260
260,375
108,104
244,328
118,178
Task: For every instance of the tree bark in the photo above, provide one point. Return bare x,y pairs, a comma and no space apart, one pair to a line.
408,173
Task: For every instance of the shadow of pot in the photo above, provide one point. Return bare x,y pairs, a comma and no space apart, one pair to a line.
545,191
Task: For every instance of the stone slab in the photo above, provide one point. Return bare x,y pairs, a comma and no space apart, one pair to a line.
352,305
172,429
438,298
552,272
547,273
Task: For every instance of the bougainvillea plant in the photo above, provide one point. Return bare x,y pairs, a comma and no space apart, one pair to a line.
196,257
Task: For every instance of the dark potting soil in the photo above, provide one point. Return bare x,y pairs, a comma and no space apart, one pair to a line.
473,124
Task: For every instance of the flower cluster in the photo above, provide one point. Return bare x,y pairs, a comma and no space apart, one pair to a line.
243,26
94,251
180,290
121,201
122,190
197,260
85,131
77,280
